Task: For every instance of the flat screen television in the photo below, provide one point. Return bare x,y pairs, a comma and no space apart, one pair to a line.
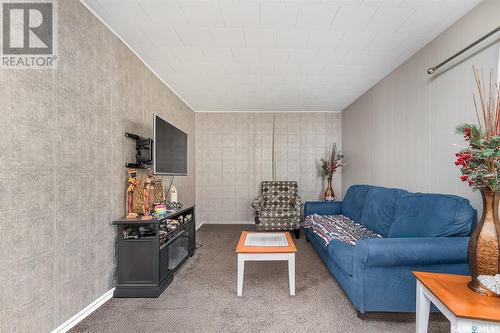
169,149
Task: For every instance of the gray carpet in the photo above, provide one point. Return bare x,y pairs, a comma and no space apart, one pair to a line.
202,298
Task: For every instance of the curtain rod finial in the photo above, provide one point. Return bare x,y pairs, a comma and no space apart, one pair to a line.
431,70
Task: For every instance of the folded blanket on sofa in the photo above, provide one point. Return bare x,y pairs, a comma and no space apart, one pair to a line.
338,227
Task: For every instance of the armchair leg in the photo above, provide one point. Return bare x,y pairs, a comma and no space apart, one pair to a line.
297,233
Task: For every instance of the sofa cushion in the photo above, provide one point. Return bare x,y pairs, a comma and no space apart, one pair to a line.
353,202
341,254
432,215
379,209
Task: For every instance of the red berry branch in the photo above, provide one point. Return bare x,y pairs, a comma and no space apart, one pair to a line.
479,162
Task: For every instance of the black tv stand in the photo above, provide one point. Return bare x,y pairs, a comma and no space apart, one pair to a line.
148,254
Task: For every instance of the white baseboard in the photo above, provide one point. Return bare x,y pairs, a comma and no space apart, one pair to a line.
73,321
199,225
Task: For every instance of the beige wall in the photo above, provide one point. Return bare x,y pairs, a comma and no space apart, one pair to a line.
234,154
401,132
62,178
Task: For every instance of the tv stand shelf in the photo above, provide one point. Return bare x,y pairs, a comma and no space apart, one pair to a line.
149,252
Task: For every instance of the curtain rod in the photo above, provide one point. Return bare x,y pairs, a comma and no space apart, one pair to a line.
433,69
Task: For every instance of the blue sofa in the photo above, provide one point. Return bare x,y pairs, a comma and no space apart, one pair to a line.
420,232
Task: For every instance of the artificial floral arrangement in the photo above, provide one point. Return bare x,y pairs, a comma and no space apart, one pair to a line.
479,164
328,168
333,162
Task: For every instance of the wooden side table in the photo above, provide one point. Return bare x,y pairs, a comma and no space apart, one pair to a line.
467,311
266,253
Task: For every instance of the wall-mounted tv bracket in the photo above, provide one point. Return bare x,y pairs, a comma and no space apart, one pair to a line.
144,151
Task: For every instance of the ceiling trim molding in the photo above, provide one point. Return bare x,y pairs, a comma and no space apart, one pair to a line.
268,111
89,8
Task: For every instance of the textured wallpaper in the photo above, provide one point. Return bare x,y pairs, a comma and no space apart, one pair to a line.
62,175
234,154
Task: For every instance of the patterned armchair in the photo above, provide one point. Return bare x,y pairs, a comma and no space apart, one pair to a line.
278,207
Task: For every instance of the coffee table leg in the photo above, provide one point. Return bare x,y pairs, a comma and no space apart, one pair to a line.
423,308
291,273
241,273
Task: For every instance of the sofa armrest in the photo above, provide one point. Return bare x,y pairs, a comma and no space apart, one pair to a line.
323,208
390,252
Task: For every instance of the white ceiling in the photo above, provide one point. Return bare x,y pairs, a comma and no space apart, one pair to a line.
272,55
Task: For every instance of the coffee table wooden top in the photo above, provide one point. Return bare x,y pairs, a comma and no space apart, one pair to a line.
241,248
453,292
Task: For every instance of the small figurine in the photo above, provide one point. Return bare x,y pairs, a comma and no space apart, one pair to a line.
173,194
138,197
159,191
148,182
132,182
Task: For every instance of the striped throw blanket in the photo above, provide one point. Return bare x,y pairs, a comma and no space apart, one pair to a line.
338,227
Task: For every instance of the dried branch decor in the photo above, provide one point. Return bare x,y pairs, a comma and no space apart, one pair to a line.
480,160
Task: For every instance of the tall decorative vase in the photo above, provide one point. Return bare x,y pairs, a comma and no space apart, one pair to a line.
484,251
329,194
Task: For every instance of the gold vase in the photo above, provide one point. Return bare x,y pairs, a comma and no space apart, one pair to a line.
329,194
484,244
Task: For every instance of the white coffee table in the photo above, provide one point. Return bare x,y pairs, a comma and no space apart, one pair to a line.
273,246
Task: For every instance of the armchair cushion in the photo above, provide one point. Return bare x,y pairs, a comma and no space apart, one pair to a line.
279,193
279,213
